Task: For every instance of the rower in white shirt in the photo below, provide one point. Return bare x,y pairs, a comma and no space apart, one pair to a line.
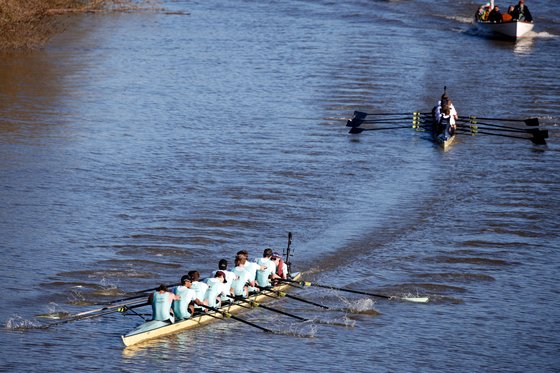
230,277
251,268
240,286
269,272
183,307
199,287
215,289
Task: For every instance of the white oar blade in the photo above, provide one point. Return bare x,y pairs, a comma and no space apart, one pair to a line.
417,299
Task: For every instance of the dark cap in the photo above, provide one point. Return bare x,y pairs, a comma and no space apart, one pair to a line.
185,278
220,273
222,264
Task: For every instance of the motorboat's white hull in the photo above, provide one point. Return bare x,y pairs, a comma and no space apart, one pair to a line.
513,29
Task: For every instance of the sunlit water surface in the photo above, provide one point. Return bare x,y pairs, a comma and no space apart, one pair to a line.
138,146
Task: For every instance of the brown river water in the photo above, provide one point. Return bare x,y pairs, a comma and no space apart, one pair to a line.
135,147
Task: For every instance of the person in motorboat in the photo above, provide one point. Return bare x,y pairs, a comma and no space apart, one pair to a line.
495,15
481,14
521,12
161,301
183,308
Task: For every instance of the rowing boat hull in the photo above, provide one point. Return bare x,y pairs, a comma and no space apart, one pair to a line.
511,30
156,329
445,144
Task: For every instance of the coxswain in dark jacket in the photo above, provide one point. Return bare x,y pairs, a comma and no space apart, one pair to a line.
495,16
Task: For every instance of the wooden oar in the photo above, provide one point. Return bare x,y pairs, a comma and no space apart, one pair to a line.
95,313
104,308
475,128
537,139
256,304
228,315
359,122
409,299
141,293
533,122
355,130
385,120
283,294
517,129
362,115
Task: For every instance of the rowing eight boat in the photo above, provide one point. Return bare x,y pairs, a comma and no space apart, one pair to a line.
155,329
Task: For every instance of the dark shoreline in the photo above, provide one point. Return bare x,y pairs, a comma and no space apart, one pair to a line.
30,25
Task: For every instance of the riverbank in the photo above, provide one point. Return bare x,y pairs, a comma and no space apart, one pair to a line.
30,24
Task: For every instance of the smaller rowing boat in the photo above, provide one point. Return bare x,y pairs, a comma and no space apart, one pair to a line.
511,30
154,329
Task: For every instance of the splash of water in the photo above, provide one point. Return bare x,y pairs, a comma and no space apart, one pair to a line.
302,330
54,311
17,322
363,306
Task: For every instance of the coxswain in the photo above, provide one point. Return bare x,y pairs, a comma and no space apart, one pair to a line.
184,307
281,267
161,301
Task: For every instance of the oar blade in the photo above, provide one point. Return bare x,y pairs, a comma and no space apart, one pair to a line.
416,299
355,130
360,115
538,139
354,122
532,122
